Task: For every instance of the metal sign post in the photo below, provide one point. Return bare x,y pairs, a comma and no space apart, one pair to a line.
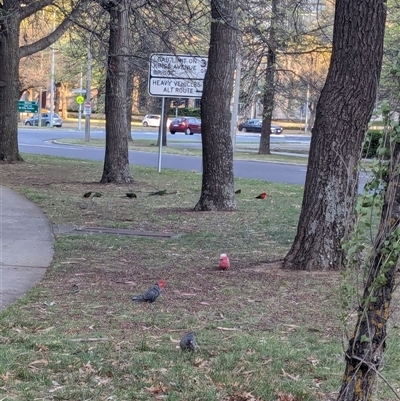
80,99
177,76
161,133
88,104
87,111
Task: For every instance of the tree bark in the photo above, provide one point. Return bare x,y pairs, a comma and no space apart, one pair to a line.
129,100
116,161
9,65
343,112
269,90
11,15
217,192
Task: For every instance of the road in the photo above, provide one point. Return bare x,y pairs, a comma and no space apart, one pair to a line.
43,141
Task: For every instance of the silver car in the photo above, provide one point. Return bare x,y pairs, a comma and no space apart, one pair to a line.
34,120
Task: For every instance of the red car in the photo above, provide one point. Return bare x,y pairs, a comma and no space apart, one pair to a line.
188,125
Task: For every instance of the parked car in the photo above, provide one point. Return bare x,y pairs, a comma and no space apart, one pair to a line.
255,124
34,120
188,125
153,120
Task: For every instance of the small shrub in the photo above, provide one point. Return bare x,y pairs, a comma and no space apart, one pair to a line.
371,144
186,112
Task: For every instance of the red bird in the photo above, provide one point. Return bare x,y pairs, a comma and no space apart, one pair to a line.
262,195
151,294
224,261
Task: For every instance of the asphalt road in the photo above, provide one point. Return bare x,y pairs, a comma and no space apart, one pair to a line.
44,141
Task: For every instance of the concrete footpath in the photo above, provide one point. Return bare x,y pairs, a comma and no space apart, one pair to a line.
26,245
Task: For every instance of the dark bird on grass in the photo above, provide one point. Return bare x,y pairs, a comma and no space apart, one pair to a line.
188,342
262,195
87,194
160,193
97,194
131,195
151,294
239,191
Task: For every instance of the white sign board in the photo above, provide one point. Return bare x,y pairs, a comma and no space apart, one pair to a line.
179,75
87,108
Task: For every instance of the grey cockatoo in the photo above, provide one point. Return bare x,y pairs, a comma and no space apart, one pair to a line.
188,342
151,294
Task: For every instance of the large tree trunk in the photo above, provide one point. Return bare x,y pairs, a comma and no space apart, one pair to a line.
269,91
217,192
64,104
343,112
116,161
129,100
129,89
12,12
9,65
364,355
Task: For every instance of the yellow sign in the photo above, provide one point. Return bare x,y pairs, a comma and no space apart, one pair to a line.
80,99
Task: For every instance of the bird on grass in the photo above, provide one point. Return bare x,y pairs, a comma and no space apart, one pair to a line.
188,342
151,294
262,195
239,191
92,194
130,195
160,193
224,262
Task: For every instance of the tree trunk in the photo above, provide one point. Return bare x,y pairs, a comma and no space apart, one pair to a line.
9,65
57,97
129,100
269,90
12,12
163,121
365,352
64,104
116,161
217,192
343,112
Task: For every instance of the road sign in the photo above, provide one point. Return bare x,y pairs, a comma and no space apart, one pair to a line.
80,99
176,75
78,90
87,108
25,106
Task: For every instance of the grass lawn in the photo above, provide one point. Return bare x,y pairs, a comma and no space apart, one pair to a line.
264,333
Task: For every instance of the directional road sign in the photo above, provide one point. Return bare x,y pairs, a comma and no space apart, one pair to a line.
176,75
25,106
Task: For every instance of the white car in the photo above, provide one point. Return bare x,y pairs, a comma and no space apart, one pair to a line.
153,120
